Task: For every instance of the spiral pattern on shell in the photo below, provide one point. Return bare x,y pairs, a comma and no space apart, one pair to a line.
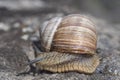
69,45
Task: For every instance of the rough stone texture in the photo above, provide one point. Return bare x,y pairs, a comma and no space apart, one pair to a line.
15,45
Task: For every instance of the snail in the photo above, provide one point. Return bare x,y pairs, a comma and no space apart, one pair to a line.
69,44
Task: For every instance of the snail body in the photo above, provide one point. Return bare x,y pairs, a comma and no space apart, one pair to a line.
69,44
57,62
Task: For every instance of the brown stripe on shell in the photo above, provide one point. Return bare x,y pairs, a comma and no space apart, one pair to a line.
77,21
77,38
73,42
75,29
66,39
78,18
78,24
75,49
76,33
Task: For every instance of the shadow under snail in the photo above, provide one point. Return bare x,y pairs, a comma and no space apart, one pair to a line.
69,44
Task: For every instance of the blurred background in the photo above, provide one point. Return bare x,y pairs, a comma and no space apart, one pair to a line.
108,9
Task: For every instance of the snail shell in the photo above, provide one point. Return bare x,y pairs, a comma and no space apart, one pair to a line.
69,44
72,34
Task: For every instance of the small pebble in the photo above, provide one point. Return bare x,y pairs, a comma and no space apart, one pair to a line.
4,27
27,29
25,37
115,72
16,25
110,70
34,38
